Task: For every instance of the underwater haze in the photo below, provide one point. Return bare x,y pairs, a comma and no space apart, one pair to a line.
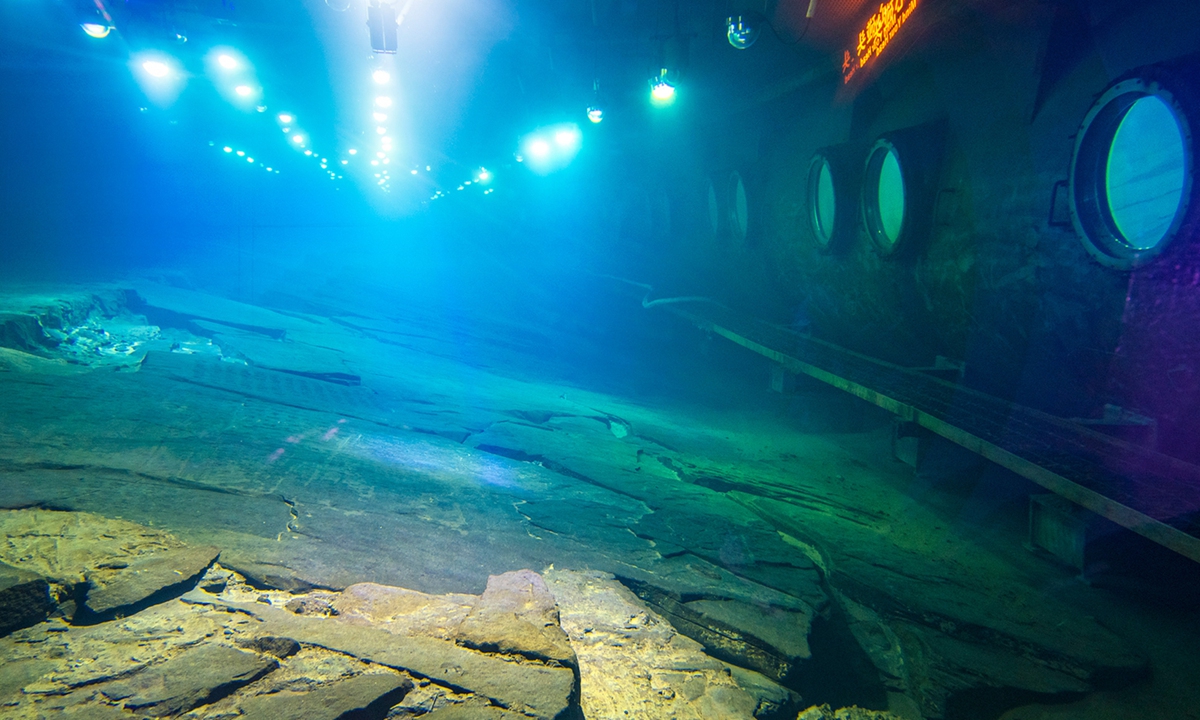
598,359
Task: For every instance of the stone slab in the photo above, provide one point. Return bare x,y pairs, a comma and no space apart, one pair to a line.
24,598
402,611
538,690
196,677
362,697
517,615
145,580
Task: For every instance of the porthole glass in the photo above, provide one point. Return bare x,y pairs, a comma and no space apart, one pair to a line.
1146,173
822,201
738,219
1131,174
891,197
714,209
885,197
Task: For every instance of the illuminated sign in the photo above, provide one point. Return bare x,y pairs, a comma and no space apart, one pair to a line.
878,33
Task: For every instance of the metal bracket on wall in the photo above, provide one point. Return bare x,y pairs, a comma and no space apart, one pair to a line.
1056,214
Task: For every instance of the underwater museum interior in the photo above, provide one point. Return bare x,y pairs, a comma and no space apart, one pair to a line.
598,359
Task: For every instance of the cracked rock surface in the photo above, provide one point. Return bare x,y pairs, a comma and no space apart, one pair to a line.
377,461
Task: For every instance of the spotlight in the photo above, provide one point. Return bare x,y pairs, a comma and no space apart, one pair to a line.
383,101
285,118
381,76
156,68
661,91
96,30
567,138
226,61
742,30
595,114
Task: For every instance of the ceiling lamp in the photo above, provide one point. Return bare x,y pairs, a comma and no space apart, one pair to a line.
96,30
595,111
383,22
156,68
661,91
742,30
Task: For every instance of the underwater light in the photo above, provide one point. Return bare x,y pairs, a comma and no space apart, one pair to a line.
412,172
298,139
742,30
383,101
567,138
381,76
484,176
226,61
243,90
661,91
353,151
156,68
374,162
345,162
241,153
227,149
287,130
381,130
379,117
285,118
595,114
539,148
378,154
250,160
96,30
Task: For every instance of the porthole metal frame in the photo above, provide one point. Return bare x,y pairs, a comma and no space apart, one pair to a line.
1090,212
869,201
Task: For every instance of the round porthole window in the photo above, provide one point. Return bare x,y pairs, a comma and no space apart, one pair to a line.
714,209
822,201
738,211
885,197
1131,177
